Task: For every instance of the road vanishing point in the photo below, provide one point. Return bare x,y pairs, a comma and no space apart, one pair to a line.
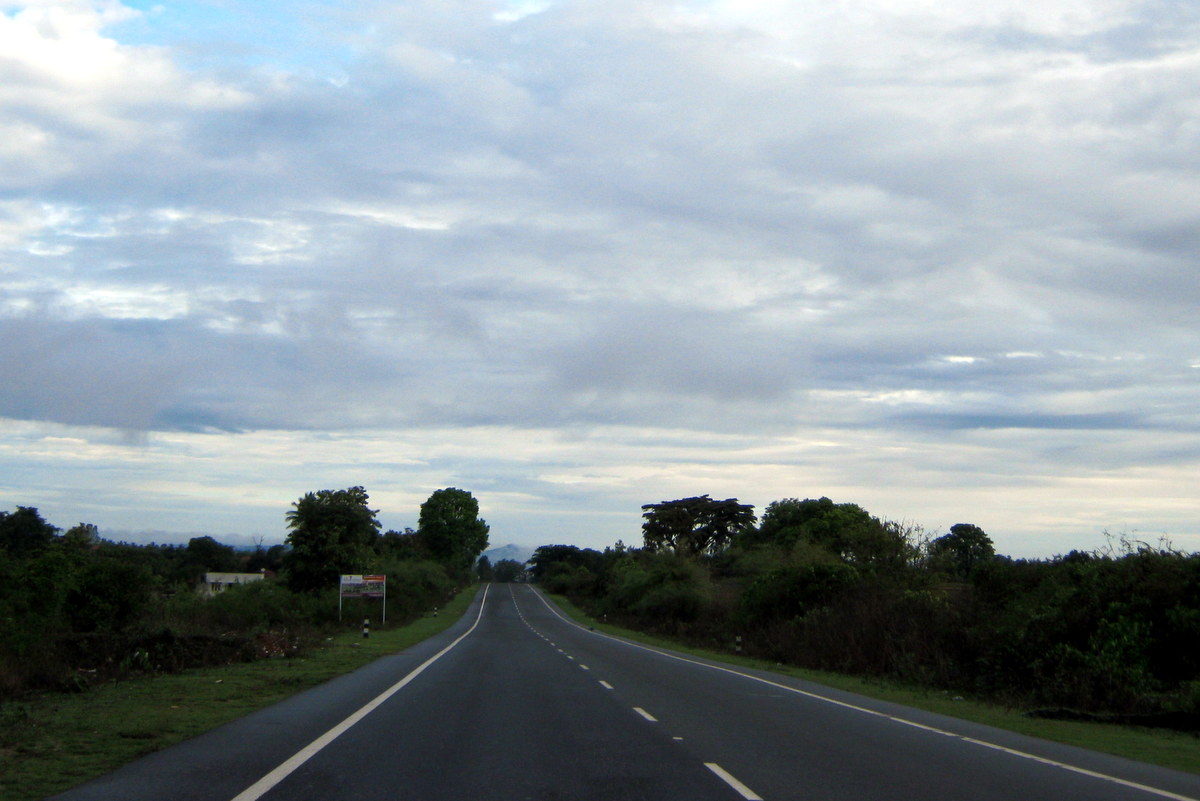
515,701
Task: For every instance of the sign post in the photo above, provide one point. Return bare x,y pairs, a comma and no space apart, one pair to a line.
355,586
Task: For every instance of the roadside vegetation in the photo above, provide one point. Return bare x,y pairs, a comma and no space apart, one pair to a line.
1106,636
77,611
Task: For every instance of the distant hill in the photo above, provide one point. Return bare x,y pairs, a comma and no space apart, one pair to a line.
518,553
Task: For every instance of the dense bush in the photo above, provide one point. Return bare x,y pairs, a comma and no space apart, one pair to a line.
789,591
415,586
75,609
660,588
248,609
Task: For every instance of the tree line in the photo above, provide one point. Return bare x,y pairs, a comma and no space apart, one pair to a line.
76,608
504,571
1108,634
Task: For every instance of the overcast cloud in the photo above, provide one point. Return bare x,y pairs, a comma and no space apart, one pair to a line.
935,258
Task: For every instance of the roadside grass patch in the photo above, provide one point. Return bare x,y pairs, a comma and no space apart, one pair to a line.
54,741
1170,749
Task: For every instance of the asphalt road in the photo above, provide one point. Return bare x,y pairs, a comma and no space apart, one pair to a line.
516,702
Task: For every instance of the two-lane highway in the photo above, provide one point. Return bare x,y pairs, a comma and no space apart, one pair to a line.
517,702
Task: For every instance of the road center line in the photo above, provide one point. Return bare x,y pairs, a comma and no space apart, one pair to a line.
606,685
846,705
742,789
645,714
263,785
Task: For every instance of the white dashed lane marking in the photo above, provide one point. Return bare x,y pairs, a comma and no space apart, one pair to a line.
744,791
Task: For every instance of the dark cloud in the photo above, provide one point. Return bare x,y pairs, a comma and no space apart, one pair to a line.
1060,422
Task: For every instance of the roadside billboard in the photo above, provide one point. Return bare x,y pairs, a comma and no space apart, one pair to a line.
361,586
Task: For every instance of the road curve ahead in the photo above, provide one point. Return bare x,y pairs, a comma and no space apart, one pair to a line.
517,702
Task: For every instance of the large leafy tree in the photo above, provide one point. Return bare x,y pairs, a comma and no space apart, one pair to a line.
507,570
483,569
694,526
963,549
451,529
205,553
24,532
548,558
843,529
403,545
817,520
82,536
332,532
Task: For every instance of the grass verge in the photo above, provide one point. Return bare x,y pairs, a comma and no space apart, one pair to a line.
52,742
1170,749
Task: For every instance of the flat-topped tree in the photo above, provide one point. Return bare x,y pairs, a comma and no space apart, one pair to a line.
694,526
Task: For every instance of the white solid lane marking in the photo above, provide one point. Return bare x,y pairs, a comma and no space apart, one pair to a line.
645,714
983,743
306,753
744,791
606,685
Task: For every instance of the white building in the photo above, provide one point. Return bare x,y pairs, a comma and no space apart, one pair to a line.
218,582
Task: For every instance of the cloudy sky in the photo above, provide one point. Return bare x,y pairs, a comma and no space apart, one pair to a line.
936,257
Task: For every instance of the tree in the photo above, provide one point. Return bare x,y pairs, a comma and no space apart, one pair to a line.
403,545
24,532
507,570
266,559
820,521
694,526
548,558
108,594
964,548
83,537
844,529
332,532
450,527
483,569
205,554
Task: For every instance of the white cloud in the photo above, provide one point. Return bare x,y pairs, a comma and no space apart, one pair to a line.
75,97
903,231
